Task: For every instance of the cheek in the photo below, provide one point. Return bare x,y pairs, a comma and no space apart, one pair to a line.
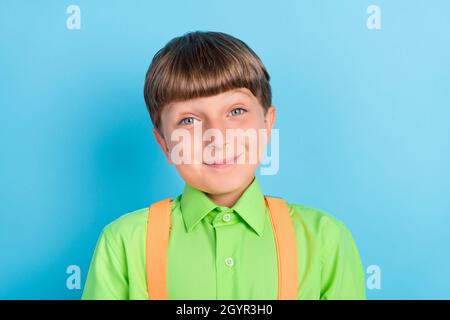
254,142
185,147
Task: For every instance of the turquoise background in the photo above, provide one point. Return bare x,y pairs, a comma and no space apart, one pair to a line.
363,117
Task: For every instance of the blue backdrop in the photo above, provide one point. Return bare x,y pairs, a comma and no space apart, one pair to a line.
363,117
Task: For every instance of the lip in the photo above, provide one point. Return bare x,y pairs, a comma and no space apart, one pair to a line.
222,165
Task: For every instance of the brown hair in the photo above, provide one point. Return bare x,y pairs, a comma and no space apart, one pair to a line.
200,64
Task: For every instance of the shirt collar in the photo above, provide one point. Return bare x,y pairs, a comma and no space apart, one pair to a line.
195,205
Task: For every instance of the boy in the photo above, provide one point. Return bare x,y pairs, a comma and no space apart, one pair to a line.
221,238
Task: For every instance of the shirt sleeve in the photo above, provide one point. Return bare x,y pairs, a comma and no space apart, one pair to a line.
107,275
342,274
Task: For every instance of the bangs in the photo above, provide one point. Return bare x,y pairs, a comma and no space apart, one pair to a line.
202,64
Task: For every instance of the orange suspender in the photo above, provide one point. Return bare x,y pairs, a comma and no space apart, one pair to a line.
286,245
158,229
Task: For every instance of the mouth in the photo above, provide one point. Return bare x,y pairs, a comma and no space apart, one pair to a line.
225,163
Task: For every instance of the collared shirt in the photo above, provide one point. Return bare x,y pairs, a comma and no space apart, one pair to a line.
217,252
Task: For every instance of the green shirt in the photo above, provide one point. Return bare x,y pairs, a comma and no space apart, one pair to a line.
217,252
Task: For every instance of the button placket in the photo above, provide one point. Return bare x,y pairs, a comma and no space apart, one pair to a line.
225,259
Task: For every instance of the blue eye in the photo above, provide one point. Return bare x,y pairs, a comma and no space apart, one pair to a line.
187,121
237,111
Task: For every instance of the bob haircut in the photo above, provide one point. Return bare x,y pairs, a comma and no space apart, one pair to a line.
201,64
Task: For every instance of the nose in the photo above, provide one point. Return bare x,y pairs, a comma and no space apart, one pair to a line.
215,133
216,147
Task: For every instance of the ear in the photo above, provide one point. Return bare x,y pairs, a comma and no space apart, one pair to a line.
162,143
269,120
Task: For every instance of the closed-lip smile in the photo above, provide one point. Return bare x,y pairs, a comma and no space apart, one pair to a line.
220,164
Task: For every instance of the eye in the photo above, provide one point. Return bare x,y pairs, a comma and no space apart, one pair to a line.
187,121
237,111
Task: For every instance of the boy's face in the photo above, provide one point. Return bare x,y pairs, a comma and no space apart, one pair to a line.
216,142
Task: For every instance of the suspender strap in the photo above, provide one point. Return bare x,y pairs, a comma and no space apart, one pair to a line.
158,229
286,245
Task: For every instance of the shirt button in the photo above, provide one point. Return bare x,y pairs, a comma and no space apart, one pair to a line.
229,261
226,217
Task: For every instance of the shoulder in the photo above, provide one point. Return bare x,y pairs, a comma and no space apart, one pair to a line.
132,224
313,216
127,225
318,222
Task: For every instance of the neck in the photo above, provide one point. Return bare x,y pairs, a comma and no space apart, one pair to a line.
230,198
